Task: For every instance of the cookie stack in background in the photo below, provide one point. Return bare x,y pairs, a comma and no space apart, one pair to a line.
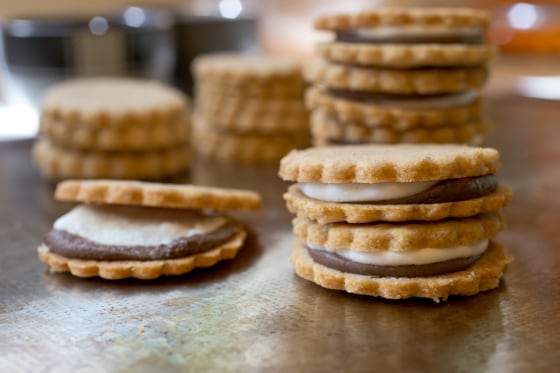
400,75
112,128
397,221
249,109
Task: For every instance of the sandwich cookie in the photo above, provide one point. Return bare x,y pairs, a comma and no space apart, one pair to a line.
143,230
397,221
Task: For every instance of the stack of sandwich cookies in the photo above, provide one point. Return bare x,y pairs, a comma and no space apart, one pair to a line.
400,75
397,221
143,230
112,128
249,109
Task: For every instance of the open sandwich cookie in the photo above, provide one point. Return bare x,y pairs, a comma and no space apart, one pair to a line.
143,230
397,221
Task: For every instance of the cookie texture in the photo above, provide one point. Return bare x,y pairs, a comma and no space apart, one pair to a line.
144,270
399,236
134,138
156,195
357,213
102,102
379,163
403,81
484,274
60,163
398,118
328,127
289,88
450,17
406,55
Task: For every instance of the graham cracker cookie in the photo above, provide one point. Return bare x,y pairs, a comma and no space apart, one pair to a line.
357,213
242,67
381,163
484,274
144,270
406,55
377,114
156,195
61,163
448,17
109,102
244,148
327,127
403,81
134,138
397,237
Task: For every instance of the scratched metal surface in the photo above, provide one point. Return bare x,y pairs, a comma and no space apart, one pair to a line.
254,314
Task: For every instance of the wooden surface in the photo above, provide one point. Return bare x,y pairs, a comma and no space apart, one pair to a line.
254,314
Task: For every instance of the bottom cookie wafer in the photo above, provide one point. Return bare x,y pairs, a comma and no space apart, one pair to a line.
484,274
144,270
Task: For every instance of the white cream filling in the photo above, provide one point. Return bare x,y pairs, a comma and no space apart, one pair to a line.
415,257
143,226
358,192
416,30
459,99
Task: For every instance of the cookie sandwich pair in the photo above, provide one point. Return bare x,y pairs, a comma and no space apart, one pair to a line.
249,109
397,221
143,230
402,75
116,128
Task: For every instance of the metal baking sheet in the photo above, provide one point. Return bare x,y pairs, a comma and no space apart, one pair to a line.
254,314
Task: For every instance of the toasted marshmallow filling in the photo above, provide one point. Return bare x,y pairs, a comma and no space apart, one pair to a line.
357,192
414,257
135,226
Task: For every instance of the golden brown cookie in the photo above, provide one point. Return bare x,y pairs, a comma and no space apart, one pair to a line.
484,274
134,138
114,102
387,163
156,195
144,270
279,89
396,115
356,213
398,81
406,55
324,126
56,162
446,17
398,237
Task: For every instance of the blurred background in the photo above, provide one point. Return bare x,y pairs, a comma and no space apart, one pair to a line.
43,42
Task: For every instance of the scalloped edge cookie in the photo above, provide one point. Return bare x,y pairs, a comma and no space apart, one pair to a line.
288,88
396,117
484,274
405,236
395,163
113,102
450,17
413,81
132,138
356,213
324,126
144,270
141,193
60,163
407,55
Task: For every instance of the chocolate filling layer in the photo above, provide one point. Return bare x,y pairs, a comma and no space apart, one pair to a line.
77,247
339,263
350,36
372,97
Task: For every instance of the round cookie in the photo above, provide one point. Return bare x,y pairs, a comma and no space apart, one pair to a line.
113,102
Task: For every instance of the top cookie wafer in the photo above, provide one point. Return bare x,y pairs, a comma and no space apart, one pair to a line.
245,67
387,163
113,101
157,195
451,17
